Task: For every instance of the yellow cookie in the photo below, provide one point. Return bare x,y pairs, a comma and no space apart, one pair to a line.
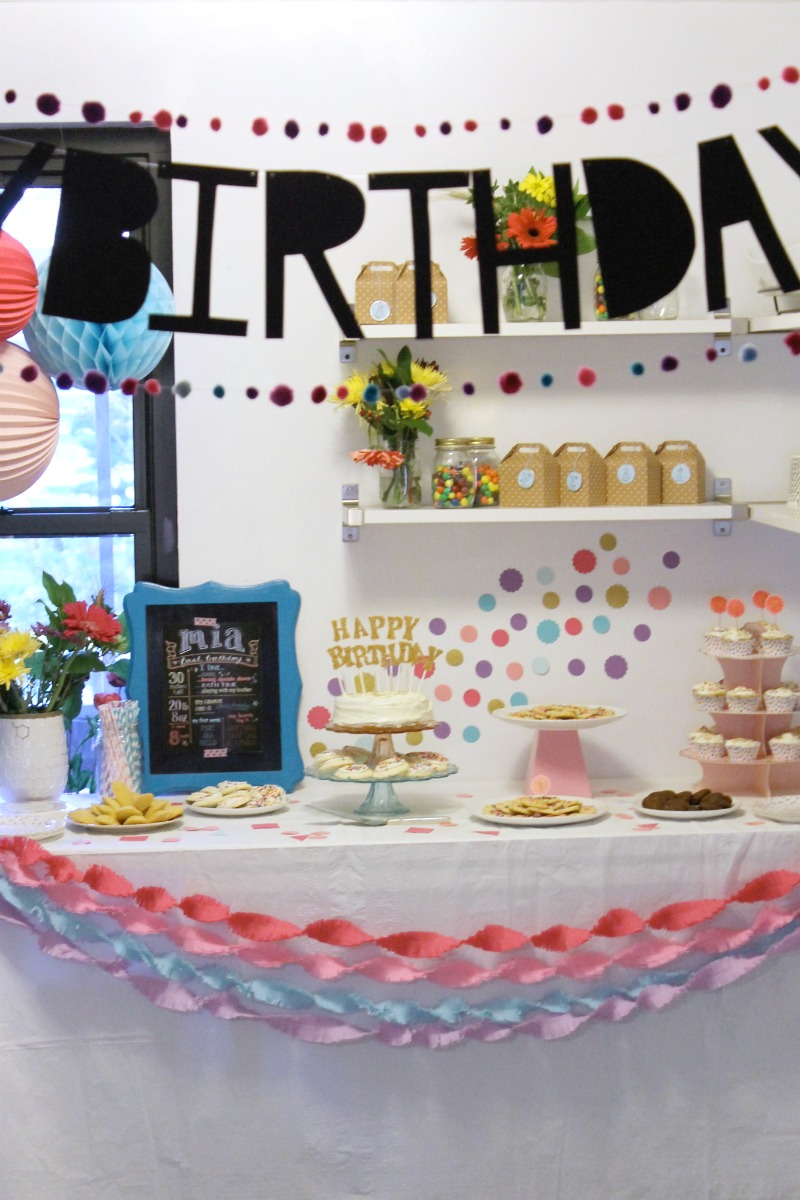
136,819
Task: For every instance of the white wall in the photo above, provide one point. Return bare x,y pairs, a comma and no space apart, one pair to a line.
259,485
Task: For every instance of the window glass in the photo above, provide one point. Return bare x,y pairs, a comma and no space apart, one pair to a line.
80,561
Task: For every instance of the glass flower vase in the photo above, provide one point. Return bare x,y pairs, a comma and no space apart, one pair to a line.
524,292
401,486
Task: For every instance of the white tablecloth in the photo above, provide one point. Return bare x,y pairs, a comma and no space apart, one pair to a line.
106,1097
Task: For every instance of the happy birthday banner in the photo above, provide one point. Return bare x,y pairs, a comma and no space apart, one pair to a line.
185,956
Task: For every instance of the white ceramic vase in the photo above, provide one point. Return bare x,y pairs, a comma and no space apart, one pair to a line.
33,758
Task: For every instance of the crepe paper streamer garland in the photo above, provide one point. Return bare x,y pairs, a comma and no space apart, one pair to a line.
29,416
19,286
120,350
177,983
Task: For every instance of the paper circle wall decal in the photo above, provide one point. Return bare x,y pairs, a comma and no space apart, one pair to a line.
118,350
28,422
19,286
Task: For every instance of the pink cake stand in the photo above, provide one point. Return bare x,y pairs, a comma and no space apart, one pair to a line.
557,755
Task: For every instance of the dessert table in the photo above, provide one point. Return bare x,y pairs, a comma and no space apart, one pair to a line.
438,1007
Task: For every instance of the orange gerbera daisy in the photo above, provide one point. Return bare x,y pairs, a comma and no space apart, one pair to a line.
469,246
532,229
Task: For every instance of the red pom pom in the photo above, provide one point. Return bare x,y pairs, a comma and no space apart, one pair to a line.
510,382
792,340
616,112
128,386
163,119
586,377
153,387
790,74
260,127
589,116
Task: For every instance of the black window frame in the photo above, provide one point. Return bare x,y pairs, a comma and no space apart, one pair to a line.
152,520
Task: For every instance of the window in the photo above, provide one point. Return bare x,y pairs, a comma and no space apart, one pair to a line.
104,513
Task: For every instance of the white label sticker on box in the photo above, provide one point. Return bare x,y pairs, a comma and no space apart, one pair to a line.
379,310
526,478
681,473
574,481
626,473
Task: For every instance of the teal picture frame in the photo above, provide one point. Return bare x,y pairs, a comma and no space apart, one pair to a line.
214,670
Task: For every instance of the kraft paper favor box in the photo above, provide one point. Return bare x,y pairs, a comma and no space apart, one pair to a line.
582,475
376,294
633,474
683,473
529,477
406,313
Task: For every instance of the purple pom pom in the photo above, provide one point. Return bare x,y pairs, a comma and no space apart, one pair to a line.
95,382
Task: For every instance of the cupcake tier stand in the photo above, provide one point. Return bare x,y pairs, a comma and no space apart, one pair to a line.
382,803
557,755
765,775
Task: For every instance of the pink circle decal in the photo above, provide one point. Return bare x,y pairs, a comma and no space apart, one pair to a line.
621,566
472,698
469,634
573,626
587,377
659,597
500,637
443,692
514,670
584,561
318,717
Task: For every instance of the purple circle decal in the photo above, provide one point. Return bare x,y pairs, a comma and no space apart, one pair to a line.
671,559
334,687
576,666
519,622
642,633
483,669
442,730
510,580
584,593
616,666
437,626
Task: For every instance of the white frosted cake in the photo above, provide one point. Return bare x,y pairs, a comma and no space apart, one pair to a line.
354,709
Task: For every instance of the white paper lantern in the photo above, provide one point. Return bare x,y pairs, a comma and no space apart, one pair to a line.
29,415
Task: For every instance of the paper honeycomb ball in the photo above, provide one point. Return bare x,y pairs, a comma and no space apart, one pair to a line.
19,286
28,421
121,350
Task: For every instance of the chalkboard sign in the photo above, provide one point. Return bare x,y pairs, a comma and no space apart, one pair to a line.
214,669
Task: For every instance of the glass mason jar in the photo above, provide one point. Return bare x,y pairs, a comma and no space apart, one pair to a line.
487,472
453,478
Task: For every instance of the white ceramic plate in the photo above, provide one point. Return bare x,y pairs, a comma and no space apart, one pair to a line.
689,814
543,822
779,808
148,827
39,826
252,811
451,770
508,714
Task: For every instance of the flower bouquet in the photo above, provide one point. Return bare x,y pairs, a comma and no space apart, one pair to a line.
525,218
45,669
393,399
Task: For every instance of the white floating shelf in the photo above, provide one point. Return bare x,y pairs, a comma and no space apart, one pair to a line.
708,326
356,515
785,323
779,516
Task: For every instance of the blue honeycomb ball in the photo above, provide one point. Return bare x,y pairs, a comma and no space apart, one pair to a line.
122,350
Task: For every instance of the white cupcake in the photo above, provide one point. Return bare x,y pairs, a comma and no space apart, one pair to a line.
709,696
775,642
742,700
738,643
712,640
785,747
780,699
707,743
742,749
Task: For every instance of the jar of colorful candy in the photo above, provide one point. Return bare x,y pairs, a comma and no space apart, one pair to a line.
453,473
487,472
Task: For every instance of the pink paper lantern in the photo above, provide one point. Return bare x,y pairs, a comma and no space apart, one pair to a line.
28,421
19,286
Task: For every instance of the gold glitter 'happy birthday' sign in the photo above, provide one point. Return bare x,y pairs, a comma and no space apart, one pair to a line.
377,642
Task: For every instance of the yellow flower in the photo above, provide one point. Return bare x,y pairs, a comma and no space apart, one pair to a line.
433,380
350,392
10,670
541,187
17,643
413,409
